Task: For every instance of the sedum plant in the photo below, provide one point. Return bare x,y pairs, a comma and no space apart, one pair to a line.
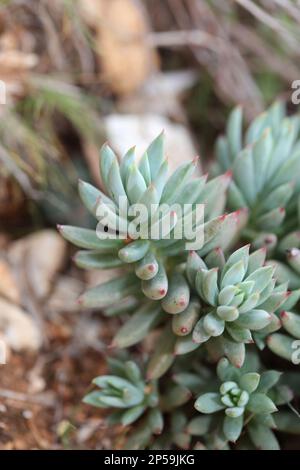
128,184
243,401
238,298
287,263
286,343
126,391
265,165
182,310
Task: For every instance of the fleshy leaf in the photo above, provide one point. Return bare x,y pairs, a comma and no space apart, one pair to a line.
249,381
209,403
259,403
232,427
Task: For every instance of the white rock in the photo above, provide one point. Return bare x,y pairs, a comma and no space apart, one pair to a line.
126,130
8,285
161,94
39,256
58,301
18,329
95,277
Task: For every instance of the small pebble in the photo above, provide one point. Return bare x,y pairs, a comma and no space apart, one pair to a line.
27,414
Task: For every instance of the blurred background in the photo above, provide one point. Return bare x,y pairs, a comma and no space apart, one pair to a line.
78,73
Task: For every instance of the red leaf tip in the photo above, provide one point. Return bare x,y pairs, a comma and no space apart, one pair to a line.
284,314
228,174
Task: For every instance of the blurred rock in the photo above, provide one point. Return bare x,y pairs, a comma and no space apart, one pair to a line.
4,348
41,255
18,329
88,429
125,130
95,277
36,381
161,94
58,301
120,26
15,63
88,333
14,60
8,285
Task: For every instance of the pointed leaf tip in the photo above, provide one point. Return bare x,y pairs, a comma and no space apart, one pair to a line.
228,174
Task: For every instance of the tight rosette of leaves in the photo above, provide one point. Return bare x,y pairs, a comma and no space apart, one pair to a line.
265,167
134,398
237,296
126,391
244,401
125,238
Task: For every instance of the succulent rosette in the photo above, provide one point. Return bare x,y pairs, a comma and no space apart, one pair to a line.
124,390
265,166
131,397
237,296
246,400
142,217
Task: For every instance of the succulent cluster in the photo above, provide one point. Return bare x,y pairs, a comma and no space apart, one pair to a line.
243,399
265,167
287,263
145,241
126,391
287,345
238,297
222,302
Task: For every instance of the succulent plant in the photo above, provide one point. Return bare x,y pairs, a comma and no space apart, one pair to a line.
265,165
146,241
219,302
287,345
136,398
126,391
238,297
287,255
243,400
